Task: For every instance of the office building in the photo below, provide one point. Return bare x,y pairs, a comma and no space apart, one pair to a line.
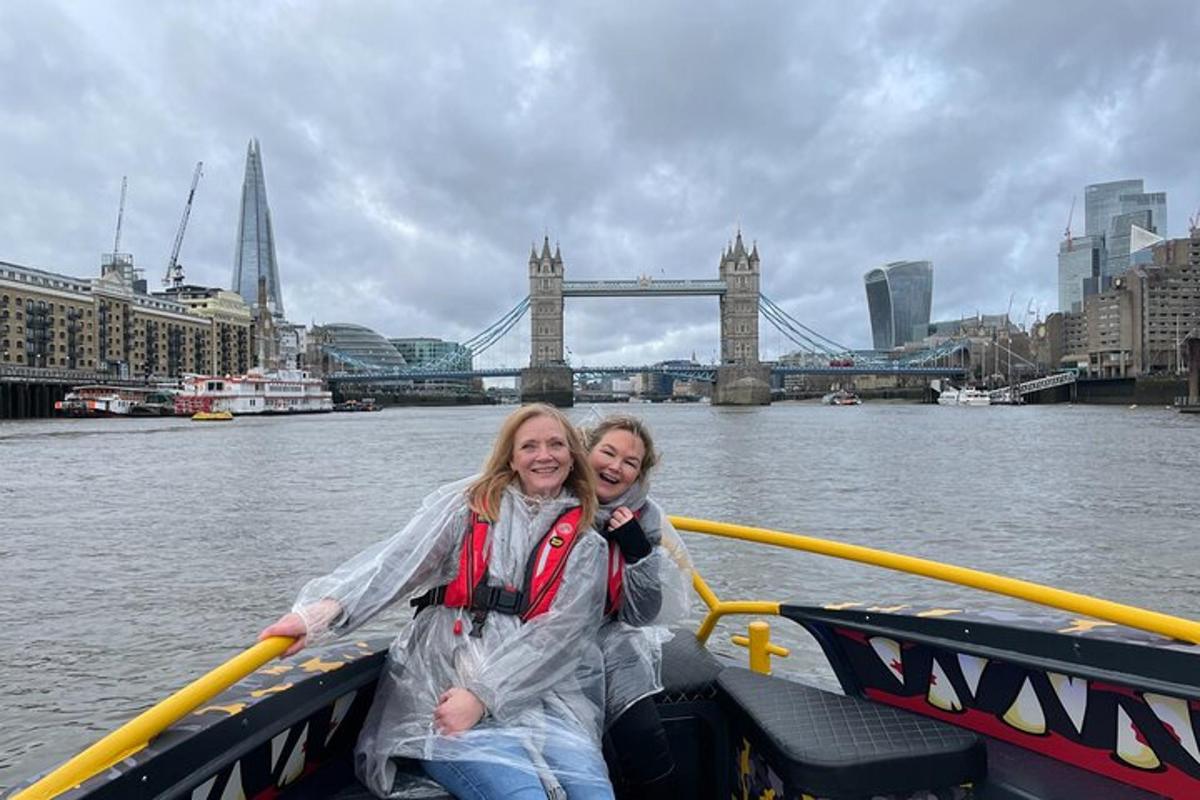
899,300
254,254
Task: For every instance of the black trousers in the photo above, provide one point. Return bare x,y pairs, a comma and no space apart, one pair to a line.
639,753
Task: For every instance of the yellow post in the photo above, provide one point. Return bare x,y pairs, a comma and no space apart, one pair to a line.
760,646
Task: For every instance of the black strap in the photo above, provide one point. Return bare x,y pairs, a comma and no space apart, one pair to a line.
434,597
486,598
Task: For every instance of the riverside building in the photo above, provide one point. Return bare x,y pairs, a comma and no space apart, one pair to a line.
103,327
1141,324
1114,213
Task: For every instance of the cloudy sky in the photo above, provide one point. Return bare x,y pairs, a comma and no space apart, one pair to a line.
414,151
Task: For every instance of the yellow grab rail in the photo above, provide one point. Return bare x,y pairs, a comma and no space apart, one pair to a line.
134,735
1131,616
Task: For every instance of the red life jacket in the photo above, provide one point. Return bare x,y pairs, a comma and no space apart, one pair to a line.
616,576
543,574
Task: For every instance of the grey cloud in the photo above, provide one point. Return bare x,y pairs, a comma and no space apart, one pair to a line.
412,155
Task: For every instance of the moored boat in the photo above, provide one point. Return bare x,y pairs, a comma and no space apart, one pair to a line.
1091,700
102,401
949,395
256,392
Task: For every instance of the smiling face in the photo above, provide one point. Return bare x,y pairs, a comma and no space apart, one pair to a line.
541,457
617,460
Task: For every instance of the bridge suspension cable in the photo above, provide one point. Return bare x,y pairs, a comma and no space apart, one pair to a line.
798,332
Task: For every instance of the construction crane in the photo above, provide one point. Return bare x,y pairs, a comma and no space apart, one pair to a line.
1070,216
174,276
120,216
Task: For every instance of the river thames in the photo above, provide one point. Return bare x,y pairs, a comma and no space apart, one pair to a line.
138,553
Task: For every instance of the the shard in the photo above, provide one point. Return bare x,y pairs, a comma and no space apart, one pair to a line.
255,251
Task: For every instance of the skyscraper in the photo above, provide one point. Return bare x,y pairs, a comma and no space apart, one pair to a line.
254,255
1087,264
899,300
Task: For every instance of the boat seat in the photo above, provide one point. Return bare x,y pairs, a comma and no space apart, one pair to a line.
689,670
830,745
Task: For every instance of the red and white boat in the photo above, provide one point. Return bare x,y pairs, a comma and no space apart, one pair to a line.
101,401
256,392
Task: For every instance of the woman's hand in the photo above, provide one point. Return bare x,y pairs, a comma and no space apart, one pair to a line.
292,625
458,710
619,517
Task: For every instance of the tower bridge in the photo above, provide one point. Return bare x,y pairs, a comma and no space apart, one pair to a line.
739,379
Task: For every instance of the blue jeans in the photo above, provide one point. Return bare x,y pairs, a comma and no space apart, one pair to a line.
582,773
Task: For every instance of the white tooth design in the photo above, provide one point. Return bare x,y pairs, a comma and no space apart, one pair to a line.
201,791
295,762
941,693
1072,693
1026,712
233,789
340,708
1174,712
889,653
972,670
1129,749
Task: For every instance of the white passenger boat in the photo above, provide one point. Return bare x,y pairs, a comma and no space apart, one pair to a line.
950,396
256,392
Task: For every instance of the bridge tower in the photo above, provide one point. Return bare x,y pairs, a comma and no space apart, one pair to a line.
546,307
741,379
548,379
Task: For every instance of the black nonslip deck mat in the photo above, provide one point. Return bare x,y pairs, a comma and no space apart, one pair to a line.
833,745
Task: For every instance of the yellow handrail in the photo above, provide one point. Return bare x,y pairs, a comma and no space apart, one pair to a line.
1131,616
133,735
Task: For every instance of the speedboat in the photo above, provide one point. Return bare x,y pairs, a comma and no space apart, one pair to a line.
842,397
1080,698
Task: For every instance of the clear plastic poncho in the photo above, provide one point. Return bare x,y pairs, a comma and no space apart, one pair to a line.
541,681
656,592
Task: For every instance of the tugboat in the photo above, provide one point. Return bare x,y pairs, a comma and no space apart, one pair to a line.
1093,699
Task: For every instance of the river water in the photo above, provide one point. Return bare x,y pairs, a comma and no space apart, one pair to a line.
137,554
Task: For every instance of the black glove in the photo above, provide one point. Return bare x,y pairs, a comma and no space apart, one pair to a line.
632,540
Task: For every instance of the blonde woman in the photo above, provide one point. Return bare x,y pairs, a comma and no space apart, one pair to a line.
648,584
497,685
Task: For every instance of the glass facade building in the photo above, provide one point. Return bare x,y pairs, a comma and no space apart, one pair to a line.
345,347
1079,262
422,351
899,300
254,255
1087,264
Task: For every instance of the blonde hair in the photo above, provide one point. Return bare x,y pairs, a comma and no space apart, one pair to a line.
630,424
484,494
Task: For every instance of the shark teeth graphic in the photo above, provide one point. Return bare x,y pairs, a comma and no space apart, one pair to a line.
888,651
295,761
1073,694
941,692
1173,712
340,708
1131,745
1026,713
233,789
972,670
